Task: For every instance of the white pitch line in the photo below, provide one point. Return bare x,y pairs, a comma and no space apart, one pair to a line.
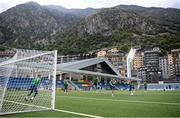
31,105
82,114
59,110
130,101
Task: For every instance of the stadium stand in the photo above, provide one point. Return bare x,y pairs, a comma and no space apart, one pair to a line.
166,86
59,84
24,84
105,86
83,85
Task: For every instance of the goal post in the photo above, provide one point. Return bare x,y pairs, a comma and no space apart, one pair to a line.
28,81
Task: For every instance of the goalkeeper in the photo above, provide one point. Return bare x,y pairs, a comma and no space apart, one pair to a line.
34,87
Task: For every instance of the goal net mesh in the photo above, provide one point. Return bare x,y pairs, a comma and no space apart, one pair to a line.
27,82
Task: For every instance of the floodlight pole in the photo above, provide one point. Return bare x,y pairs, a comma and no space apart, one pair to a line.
130,57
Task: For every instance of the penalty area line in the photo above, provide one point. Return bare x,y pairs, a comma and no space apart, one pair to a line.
76,113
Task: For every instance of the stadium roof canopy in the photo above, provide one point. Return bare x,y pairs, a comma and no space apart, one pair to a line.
89,67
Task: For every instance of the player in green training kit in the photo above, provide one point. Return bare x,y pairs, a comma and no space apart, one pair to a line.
112,86
65,86
34,87
145,86
131,88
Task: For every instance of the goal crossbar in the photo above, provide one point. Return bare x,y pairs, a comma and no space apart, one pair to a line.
17,60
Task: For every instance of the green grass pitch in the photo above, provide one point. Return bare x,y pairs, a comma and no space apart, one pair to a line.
101,103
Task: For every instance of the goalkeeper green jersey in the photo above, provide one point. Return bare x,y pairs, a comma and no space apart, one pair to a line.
36,81
65,84
111,83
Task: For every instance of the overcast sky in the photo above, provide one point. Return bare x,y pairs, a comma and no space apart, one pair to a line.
5,4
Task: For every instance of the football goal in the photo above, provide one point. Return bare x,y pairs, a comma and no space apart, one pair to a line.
27,82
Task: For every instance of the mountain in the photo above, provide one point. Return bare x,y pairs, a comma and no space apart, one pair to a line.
27,21
110,20
167,17
125,26
72,31
78,12
31,22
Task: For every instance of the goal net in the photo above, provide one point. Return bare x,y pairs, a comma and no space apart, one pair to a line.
27,82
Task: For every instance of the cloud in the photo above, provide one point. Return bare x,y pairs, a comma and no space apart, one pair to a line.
4,6
158,3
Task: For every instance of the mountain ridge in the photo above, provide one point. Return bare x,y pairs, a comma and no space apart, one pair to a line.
33,26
